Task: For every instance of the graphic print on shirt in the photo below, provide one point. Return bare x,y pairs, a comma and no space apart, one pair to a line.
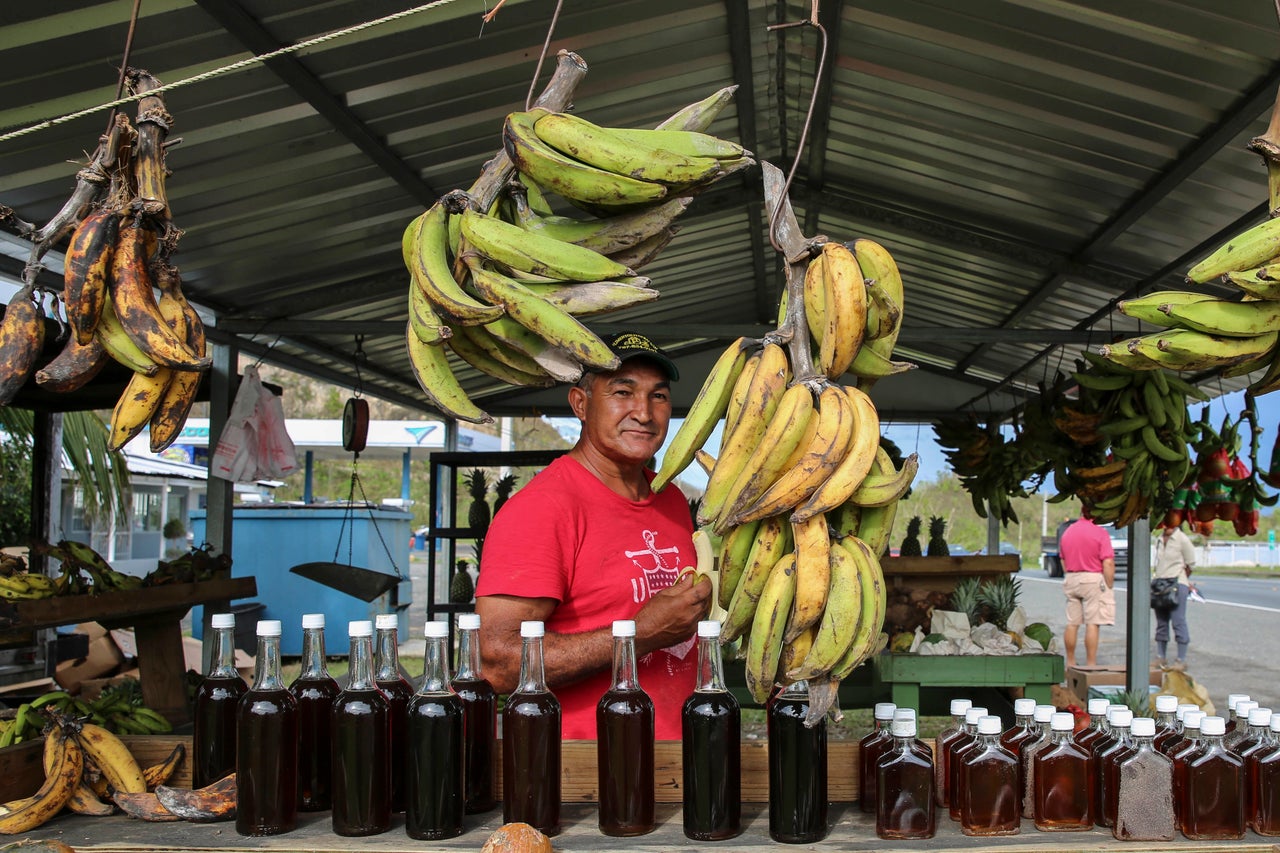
659,566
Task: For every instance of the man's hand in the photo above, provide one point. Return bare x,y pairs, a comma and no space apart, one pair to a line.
671,616
1109,573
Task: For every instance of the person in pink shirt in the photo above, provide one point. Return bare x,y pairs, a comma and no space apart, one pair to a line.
1089,576
586,542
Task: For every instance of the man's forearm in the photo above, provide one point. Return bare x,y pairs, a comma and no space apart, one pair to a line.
573,657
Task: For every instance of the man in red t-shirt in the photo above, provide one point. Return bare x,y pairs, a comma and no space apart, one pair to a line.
1089,576
587,542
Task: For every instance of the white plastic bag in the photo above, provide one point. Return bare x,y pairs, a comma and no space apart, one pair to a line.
277,457
254,442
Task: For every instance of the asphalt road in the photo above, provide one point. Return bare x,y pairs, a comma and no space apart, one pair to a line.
1235,634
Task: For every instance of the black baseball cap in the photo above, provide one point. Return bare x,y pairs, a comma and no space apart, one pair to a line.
628,345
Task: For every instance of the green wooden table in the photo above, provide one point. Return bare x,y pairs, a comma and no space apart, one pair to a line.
905,674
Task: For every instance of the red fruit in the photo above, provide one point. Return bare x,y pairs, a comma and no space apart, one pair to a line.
1239,470
1228,510
1207,511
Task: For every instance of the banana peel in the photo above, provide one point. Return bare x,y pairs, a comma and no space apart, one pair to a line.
706,567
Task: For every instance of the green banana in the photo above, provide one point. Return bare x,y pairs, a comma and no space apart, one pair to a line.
1251,248
1097,382
875,526
839,624
555,361
425,249
880,489
513,247
872,363
874,604
699,115
764,643
735,548
601,147
1158,448
424,321
434,375
490,356
772,541
585,298
1149,308
1187,349
686,143
1221,317
606,236
1257,284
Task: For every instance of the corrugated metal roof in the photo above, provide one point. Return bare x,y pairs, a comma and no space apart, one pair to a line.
1028,162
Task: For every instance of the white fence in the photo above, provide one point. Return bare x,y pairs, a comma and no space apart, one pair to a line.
1236,554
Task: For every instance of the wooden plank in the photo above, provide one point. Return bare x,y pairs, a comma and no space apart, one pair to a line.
120,607
162,667
966,670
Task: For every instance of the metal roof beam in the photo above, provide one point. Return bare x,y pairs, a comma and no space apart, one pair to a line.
250,32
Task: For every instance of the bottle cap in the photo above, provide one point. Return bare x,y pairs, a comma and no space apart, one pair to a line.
624,628
223,620
1115,707
1192,719
360,628
1184,708
1211,726
1166,704
972,716
959,706
989,725
531,629
1043,713
1098,707
1275,722
1260,717
709,628
435,629
1063,722
1233,698
383,621
904,713
1024,707
269,628
1243,707
1121,718
903,728
312,620
468,621
1144,727
884,710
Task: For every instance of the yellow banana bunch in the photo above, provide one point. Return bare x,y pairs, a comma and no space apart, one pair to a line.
502,289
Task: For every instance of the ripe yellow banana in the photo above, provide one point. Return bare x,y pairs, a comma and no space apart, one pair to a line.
878,490
841,616
86,271
84,801
179,394
773,540
815,299
704,413
874,604
632,155
735,548
813,575
113,758
425,249
435,376
134,301
856,463
764,643
793,654
782,435
139,401
1254,246
21,339
162,772
739,394
116,341
878,266
845,304
883,313
65,760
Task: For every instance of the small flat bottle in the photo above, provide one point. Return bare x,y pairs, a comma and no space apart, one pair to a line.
797,769
1234,699
905,805
1253,773
989,784
1213,799
955,754
480,706
1106,766
1144,789
314,690
1022,731
435,798
1258,731
1064,781
267,745
941,792
1166,719
1171,745
531,725
1265,775
1097,723
213,739
871,747
624,744
711,728
1100,744
398,691
361,744
923,749
1042,716
1187,746
1240,716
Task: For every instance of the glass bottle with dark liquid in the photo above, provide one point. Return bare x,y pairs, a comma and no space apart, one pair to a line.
361,744
1213,797
1232,699
1185,748
797,769
314,690
1166,719
1265,776
267,745
1064,780
398,692
480,710
1257,732
955,758
1144,789
1022,732
1097,723
711,727
435,733
1238,721
1173,744
1106,763
624,743
1100,744
871,747
1253,767
531,742
989,792
1042,716
941,791
905,805
213,739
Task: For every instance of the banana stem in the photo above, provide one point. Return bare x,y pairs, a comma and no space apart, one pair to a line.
1268,147
798,249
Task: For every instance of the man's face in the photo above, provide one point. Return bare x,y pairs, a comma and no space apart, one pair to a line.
626,414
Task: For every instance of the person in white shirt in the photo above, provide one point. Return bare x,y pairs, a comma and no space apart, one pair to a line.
1175,556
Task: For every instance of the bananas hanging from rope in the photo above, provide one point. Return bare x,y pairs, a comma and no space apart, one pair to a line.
502,289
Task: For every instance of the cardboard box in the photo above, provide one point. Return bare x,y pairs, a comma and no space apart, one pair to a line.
103,659
193,656
1081,678
91,688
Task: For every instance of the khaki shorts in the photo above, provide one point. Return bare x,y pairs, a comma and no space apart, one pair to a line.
1089,600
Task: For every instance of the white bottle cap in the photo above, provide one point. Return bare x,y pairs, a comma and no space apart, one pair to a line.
884,710
1243,707
1166,704
222,620
360,628
269,628
531,629
1233,698
312,620
1024,707
1043,713
903,728
435,629
1098,707
972,716
1275,722
1260,717
1115,707
959,706
989,725
1211,726
624,628
1184,708
709,628
468,621
1121,718
1144,727
904,713
1063,722
383,621
1193,719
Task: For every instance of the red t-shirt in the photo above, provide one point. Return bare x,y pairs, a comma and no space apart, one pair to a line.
1084,546
567,536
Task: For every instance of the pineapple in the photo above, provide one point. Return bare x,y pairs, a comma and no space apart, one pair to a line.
937,541
462,587
478,516
999,599
502,490
911,544
965,598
